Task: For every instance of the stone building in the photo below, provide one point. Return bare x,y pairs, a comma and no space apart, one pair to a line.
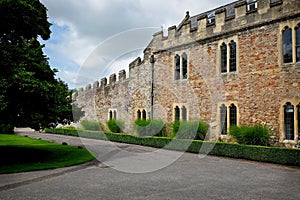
237,64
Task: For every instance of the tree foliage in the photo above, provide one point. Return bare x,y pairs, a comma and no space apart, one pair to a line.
30,95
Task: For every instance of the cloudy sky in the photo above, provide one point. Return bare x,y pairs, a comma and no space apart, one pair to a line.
93,38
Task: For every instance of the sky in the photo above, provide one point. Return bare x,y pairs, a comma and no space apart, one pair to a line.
92,39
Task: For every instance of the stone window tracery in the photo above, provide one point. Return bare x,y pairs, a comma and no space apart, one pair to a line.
180,113
112,114
181,66
228,117
228,59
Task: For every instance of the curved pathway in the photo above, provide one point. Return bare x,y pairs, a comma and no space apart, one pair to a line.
189,177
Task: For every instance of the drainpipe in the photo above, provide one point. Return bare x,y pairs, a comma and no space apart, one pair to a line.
152,61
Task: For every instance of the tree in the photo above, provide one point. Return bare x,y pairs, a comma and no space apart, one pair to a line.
29,93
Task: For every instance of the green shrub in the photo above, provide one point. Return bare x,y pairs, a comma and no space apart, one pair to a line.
250,152
6,129
189,130
150,128
115,126
91,125
256,135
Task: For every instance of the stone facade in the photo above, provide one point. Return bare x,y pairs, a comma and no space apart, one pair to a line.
250,80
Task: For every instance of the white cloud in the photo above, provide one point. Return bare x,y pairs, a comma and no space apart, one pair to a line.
80,26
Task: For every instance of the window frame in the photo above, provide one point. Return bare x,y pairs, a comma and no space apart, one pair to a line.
250,4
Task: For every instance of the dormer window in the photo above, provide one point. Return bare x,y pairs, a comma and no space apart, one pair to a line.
251,5
211,18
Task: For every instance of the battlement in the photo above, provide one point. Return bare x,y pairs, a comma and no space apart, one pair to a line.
228,19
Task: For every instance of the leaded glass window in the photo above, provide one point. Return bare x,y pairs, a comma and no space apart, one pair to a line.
232,58
297,43
289,121
233,115
287,45
177,67
184,66
223,58
177,113
144,115
223,119
184,114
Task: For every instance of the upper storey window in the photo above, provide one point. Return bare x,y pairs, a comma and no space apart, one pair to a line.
177,67
228,58
223,58
232,59
287,45
251,5
297,43
184,66
181,67
211,18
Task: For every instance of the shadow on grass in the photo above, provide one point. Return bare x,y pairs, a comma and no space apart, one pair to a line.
11,155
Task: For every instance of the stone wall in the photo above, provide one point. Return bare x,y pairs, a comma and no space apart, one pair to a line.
259,87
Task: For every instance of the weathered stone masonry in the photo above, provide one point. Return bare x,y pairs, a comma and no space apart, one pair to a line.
259,82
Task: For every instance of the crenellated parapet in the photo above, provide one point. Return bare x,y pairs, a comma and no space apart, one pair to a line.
225,21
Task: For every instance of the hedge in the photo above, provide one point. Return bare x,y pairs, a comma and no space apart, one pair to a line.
250,152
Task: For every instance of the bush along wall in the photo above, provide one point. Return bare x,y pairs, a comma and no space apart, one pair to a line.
91,125
150,128
115,126
251,152
189,130
255,135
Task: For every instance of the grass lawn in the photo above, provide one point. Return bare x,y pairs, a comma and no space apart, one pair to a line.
20,154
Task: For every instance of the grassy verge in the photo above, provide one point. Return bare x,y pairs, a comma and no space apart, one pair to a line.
20,154
276,155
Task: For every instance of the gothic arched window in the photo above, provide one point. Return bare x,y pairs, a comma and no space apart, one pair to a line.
139,114
233,115
176,114
144,115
